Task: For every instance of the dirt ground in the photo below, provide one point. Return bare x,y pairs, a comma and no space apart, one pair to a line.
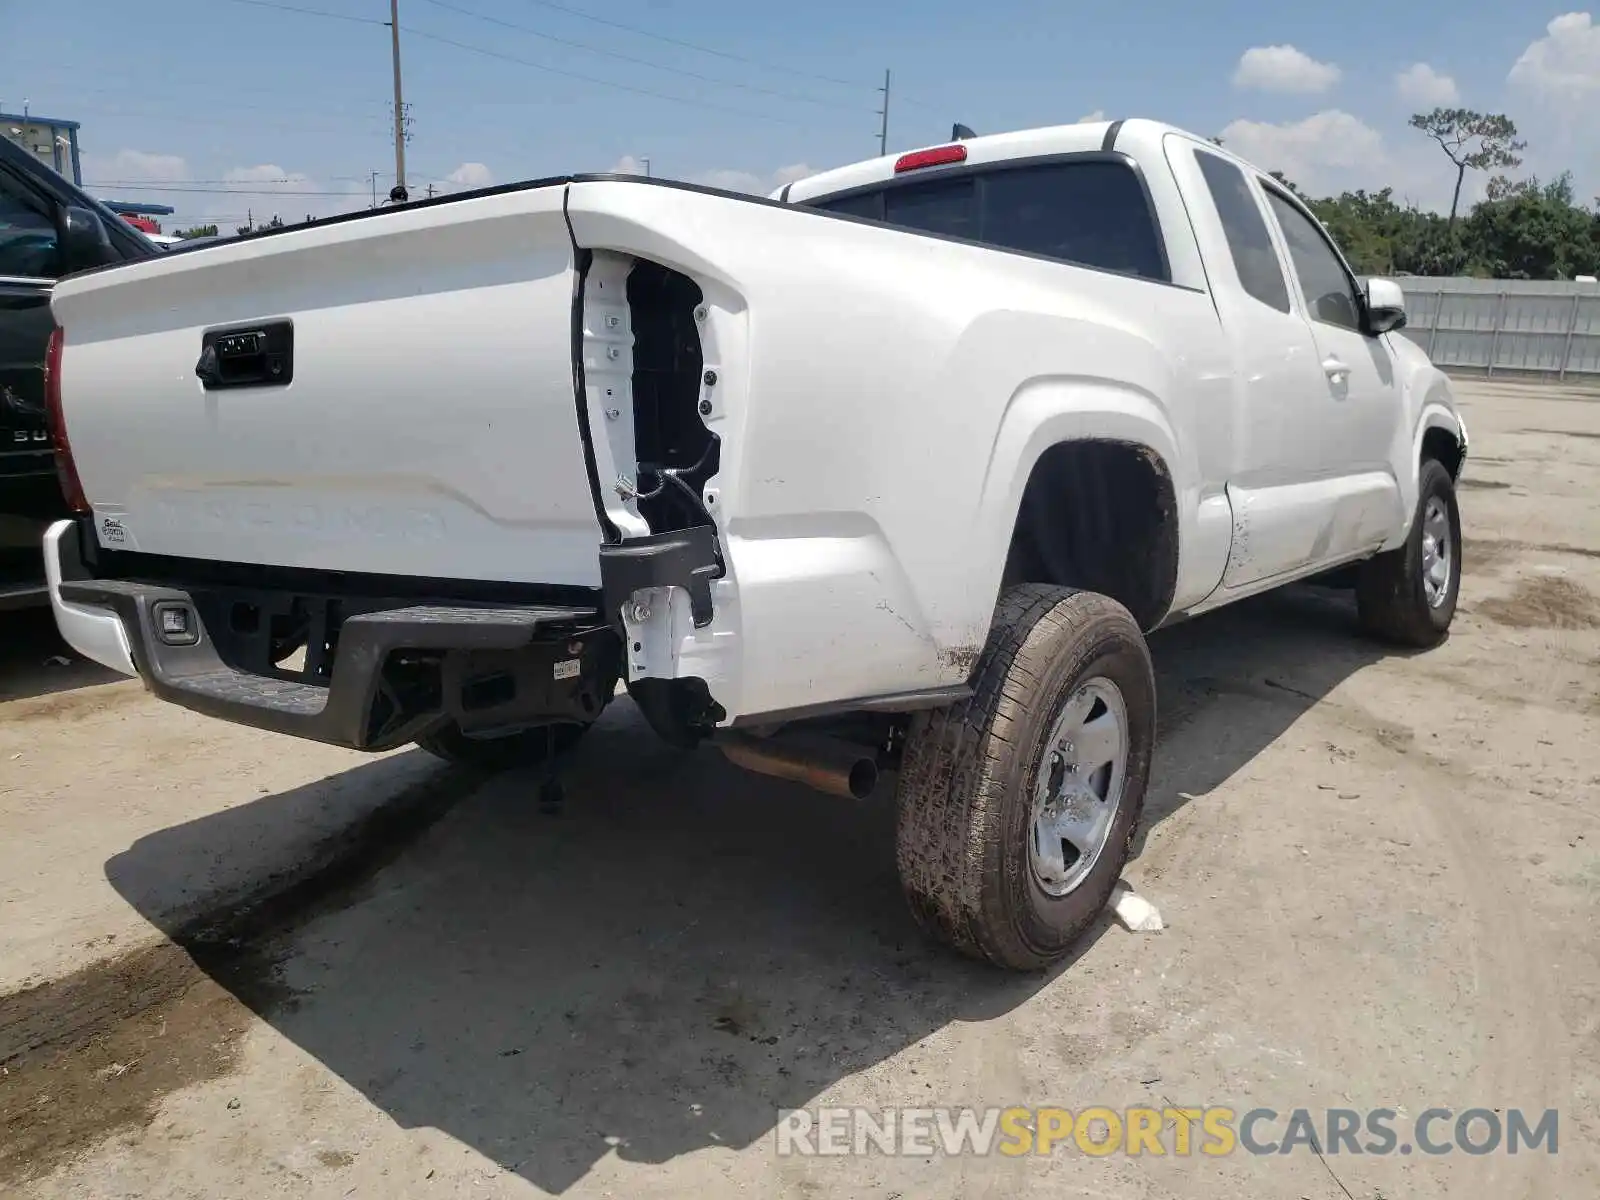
238,965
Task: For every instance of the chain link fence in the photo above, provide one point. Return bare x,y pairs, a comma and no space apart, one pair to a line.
1547,330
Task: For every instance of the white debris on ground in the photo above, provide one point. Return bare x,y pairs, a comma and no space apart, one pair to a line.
1136,913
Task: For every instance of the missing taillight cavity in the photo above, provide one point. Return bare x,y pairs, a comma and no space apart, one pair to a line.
66,469
677,453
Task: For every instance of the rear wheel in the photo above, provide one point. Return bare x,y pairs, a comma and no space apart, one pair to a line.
503,751
1017,808
1408,595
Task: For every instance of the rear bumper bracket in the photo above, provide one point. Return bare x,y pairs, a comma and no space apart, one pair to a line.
685,558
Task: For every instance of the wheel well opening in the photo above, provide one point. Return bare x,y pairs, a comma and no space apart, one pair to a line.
1101,516
1442,445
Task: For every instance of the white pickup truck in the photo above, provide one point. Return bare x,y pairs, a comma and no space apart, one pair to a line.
891,469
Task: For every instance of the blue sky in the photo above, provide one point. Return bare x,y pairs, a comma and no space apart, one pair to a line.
210,104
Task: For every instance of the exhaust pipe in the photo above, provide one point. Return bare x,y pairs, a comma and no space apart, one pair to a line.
824,763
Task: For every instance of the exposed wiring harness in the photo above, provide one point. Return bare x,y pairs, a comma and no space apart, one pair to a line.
673,476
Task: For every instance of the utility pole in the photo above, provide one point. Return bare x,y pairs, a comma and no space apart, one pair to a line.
883,129
399,193
374,176
646,163
430,191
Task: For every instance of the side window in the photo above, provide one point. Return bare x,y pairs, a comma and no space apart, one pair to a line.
1329,295
1092,213
27,235
1254,256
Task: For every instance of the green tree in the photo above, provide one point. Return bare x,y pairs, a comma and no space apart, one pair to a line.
1471,141
1288,185
252,227
1533,231
198,231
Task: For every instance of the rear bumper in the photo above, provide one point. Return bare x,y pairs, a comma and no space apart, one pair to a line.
396,672
94,632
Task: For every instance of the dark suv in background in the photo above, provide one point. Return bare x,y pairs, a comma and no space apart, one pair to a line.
48,228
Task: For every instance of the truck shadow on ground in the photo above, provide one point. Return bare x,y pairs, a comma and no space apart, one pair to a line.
34,661
684,949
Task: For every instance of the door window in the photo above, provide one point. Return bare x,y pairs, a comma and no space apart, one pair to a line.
27,235
1329,293
1254,256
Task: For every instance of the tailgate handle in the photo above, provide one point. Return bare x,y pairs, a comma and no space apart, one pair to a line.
246,356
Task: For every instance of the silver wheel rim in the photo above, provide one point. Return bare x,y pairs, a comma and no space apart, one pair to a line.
1437,552
1079,785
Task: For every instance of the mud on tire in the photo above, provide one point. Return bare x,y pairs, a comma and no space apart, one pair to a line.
969,773
1391,594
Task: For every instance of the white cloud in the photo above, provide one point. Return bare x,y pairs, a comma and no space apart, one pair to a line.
262,191
1308,149
471,175
734,181
1421,85
628,165
135,166
791,174
1332,151
752,182
1283,69
1096,116
1564,65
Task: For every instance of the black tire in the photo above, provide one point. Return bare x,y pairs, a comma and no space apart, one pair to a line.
1390,594
968,774
525,748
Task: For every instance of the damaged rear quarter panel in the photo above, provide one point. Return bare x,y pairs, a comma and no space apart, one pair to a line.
866,492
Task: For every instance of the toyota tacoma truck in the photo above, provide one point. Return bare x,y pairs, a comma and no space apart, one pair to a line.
892,469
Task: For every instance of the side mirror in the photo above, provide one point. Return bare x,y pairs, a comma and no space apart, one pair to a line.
84,240
1386,306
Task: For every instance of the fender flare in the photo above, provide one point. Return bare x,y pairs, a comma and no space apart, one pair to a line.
1046,413
1435,414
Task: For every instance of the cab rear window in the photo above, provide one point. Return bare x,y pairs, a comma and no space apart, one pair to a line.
1091,213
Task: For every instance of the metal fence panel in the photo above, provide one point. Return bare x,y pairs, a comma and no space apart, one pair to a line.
1514,325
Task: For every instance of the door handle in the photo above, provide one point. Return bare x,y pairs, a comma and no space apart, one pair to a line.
1335,370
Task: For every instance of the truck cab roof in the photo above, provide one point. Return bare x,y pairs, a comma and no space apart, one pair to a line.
1134,137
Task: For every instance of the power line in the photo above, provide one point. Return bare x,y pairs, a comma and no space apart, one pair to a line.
434,37
640,62
581,15
210,191
354,125
181,183
310,12
672,41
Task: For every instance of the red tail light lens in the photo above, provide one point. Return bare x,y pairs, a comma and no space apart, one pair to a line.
943,156
66,469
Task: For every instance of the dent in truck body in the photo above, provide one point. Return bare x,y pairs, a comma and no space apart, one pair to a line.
827,481
647,403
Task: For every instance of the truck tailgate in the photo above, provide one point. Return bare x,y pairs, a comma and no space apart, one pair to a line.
429,418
